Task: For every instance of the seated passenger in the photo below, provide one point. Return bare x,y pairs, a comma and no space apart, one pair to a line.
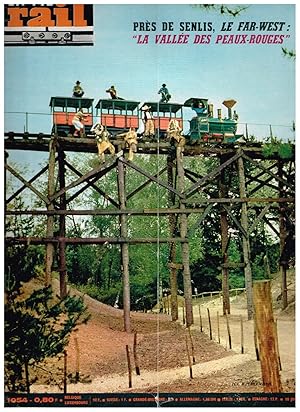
78,90
199,107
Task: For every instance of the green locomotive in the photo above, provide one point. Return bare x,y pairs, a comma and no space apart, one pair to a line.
204,127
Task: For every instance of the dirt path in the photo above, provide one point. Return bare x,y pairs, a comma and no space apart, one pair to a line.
162,353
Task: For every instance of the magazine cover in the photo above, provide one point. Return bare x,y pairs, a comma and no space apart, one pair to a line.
149,205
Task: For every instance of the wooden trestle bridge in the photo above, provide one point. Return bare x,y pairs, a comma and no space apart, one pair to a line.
188,193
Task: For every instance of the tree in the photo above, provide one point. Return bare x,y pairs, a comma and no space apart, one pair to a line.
36,328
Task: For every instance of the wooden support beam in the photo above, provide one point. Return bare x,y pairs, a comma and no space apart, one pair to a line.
20,190
282,239
259,218
124,247
223,192
104,167
146,183
245,238
62,227
27,184
234,219
275,176
152,178
172,247
50,207
90,183
91,240
185,245
210,176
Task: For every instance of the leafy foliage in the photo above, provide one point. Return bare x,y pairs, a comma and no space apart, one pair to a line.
36,327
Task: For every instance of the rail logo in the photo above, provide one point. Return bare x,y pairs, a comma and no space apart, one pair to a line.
48,25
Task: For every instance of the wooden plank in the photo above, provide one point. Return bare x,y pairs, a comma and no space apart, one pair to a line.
259,218
266,336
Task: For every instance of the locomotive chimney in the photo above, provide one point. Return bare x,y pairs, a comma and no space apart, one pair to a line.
229,104
219,114
211,110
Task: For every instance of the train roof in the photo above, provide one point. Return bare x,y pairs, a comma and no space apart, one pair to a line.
117,104
169,107
76,102
190,101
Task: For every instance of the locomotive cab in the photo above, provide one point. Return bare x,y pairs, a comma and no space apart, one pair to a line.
163,113
118,115
63,110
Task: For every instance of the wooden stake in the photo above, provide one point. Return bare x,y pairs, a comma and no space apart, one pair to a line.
183,313
200,317
77,358
129,367
137,368
277,346
209,323
228,330
189,358
266,336
255,339
242,335
192,346
65,370
218,326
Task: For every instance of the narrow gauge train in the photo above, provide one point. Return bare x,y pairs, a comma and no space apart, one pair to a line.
119,116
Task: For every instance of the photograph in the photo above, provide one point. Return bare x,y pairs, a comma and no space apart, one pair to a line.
149,205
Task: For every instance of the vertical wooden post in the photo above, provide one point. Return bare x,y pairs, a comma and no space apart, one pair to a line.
124,247
200,317
218,326
77,367
209,324
50,219
185,245
282,233
266,336
223,193
65,370
192,346
255,339
137,368
129,367
228,331
189,357
172,253
62,226
246,241
242,334
277,345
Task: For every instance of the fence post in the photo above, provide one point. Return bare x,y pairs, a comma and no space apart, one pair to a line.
266,336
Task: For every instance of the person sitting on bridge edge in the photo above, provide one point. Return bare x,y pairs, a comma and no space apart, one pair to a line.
148,122
165,95
77,123
113,93
78,90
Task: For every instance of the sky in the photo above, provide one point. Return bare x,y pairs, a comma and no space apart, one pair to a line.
257,76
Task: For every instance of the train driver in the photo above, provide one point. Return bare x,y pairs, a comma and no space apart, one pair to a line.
199,107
